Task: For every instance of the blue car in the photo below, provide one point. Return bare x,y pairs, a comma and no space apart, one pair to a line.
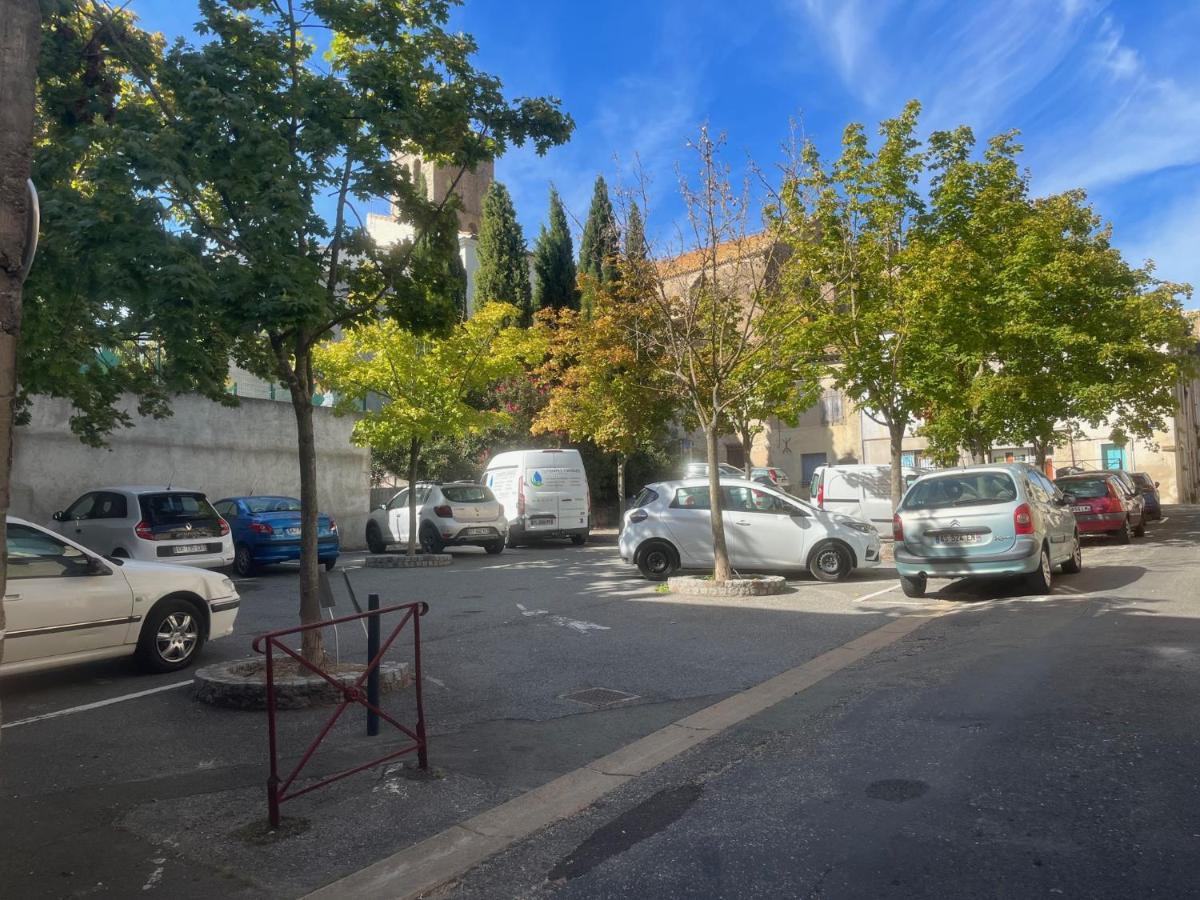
1149,488
266,530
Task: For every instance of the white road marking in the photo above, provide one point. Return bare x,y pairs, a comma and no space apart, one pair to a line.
440,684
77,709
532,612
577,625
876,594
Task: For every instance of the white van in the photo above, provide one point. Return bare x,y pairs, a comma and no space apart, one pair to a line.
544,492
860,491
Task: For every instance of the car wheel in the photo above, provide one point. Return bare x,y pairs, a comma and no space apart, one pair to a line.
329,564
1124,534
1140,531
171,637
657,560
494,547
1075,563
913,585
1039,580
830,561
431,541
375,541
579,539
243,561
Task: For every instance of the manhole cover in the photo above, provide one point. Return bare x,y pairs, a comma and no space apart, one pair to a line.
600,697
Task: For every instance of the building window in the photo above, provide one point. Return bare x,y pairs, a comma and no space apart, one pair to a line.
831,406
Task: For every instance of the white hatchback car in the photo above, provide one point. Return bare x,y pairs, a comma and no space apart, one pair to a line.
64,604
670,528
155,524
451,514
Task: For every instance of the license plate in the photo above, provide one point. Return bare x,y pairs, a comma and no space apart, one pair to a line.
541,520
957,539
292,532
479,531
1082,509
190,548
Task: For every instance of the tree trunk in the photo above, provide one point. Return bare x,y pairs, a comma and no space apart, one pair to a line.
300,387
622,459
1040,449
747,439
414,450
20,39
896,445
721,568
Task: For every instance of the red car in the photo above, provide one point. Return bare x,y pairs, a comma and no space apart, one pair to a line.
1103,504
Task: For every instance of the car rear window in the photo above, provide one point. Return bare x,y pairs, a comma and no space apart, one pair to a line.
167,509
1084,488
272,504
1144,481
467,493
962,489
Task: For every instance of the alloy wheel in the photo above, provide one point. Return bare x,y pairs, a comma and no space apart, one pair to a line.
177,637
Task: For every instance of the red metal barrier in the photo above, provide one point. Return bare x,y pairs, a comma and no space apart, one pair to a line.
277,790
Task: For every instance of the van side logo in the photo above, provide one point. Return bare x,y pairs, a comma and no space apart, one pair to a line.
536,480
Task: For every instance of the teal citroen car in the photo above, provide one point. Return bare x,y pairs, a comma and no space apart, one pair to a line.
1001,520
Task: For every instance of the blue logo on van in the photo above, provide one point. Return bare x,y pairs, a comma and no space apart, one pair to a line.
491,479
536,480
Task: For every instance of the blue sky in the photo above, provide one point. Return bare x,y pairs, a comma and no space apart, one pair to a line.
1106,94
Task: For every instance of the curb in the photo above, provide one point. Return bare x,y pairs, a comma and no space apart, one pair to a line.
744,586
403,561
240,684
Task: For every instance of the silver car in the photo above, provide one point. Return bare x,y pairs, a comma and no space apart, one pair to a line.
996,520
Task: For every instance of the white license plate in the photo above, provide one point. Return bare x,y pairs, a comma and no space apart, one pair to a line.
957,539
291,532
190,548
541,520
1082,509
479,531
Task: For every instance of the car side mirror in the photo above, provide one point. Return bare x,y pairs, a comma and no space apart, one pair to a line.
59,516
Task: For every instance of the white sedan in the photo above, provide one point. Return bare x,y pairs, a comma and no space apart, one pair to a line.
64,604
670,528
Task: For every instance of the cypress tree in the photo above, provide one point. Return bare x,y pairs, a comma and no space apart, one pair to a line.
554,262
600,244
635,235
503,273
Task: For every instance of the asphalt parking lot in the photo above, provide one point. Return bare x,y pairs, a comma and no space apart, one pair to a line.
117,782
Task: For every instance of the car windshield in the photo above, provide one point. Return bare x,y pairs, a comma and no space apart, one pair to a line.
165,509
1084,488
271,504
961,489
467,493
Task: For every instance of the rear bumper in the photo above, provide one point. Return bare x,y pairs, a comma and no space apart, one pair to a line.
521,531
1098,523
461,538
268,552
1022,558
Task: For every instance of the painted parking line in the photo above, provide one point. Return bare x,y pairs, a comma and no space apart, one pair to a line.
878,593
423,867
97,705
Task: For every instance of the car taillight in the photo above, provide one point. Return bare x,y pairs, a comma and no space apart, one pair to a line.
224,527
1113,501
821,495
143,530
261,528
1023,519
897,528
443,512
774,476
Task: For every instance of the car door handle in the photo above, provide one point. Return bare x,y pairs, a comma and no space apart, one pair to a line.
12,596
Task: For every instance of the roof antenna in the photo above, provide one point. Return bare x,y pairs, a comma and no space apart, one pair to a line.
171,478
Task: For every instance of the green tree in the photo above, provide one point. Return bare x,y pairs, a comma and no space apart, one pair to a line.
503,274
554,262
847,229
599,246
120,295
256,137
425,383
635,235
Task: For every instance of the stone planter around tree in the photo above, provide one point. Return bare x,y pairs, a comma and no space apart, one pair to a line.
739,586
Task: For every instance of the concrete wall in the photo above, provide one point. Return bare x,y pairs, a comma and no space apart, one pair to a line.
220,450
